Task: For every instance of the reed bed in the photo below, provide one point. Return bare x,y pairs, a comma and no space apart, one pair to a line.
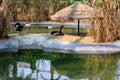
4,21
107,28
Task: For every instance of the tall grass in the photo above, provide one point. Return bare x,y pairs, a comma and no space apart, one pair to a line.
107,29
4,21
35,10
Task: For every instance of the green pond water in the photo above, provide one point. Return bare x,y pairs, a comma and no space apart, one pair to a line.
39,65
38,30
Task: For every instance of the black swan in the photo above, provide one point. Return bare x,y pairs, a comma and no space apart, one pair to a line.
19,27
58,33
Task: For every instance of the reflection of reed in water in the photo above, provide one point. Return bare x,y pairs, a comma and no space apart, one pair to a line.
92,67
101,67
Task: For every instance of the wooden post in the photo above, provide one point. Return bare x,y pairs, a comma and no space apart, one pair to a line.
78,27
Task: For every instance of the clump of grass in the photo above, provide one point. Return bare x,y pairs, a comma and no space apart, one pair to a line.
107,29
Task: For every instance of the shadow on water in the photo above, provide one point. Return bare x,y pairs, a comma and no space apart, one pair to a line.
39,65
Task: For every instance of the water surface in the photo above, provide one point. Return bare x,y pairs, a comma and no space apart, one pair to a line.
38,65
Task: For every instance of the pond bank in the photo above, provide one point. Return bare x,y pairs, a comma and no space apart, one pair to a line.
54,45
55,24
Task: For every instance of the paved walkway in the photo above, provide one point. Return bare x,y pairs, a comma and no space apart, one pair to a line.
54,45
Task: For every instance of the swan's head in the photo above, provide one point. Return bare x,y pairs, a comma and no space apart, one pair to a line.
62,26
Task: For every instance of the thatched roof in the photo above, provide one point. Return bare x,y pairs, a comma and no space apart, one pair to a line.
75,11
1,9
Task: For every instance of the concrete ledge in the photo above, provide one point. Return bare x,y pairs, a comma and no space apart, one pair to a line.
79,48
54,45
8,45
30,42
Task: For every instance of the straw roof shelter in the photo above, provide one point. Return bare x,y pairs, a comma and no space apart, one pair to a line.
76,11
1,9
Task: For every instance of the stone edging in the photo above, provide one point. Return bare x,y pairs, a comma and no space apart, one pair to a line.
53,45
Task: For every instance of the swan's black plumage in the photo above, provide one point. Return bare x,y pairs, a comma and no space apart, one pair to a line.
18,26
58,33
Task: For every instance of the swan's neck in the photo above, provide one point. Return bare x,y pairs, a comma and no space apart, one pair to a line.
61,30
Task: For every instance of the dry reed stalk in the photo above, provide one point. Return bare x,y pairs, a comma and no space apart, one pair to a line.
4,21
